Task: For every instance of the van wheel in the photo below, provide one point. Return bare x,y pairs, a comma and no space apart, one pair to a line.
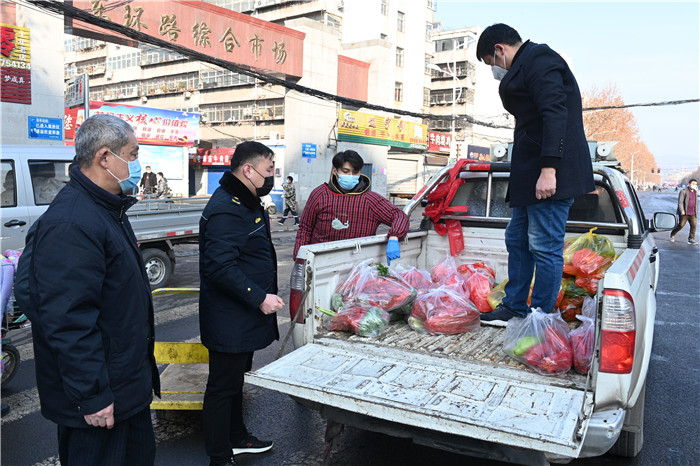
159,267
631,439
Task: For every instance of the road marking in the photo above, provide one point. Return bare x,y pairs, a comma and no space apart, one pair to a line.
683,324
678,294
21,404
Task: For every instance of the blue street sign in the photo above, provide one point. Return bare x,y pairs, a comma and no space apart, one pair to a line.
308,150
45,128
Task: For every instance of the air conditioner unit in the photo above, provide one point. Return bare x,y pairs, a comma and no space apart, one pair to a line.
144,99
188,94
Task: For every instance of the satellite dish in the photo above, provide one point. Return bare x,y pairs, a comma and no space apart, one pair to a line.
500,151
603,150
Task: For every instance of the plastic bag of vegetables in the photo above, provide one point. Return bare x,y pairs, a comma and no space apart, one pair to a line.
445,273
443,312
540,341
582,338
479,279
417,278
597,244
362,320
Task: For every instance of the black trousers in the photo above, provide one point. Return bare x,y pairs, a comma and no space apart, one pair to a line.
222,413
130,442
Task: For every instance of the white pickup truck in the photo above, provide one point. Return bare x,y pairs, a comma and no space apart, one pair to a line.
461,392
31,176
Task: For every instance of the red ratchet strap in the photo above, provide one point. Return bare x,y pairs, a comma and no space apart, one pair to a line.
439,204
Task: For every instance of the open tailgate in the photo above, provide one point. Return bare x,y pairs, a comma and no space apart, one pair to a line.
491,404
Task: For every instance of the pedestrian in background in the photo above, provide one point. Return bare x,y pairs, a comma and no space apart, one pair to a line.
550,164
89,301
238,296
162,188
290,201
687,211
148,181
345,208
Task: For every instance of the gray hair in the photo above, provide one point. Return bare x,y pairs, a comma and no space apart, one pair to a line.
98,131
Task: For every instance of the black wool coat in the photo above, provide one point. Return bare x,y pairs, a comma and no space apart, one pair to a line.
90,307
540,91
237,268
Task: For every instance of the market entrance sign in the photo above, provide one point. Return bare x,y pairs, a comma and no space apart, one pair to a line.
206,28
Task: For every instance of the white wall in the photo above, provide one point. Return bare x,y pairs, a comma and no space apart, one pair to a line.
46,41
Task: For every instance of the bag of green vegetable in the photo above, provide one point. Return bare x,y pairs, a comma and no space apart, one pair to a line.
365,321
540,341
444,312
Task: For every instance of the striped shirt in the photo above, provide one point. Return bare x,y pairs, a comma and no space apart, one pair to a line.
330,216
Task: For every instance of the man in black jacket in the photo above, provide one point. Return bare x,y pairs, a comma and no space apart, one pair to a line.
238,296
90,306
148,181
550,164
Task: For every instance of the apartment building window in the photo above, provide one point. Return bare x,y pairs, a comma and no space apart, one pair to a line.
94,66
398,91
401,21
168,84
428,59
399,57
428,29
385,7
224,78
122,90
151,55
124,61
75,44
426,97
271,109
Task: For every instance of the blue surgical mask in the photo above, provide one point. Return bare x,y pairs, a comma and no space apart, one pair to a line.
347,182
130,184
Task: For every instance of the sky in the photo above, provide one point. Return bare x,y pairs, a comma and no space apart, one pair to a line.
649,50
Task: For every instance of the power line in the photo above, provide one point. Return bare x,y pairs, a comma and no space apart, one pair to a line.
649,104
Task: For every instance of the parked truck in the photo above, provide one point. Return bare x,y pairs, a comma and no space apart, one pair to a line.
461,392
31,177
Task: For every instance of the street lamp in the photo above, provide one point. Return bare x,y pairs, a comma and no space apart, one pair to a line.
632,167
449,72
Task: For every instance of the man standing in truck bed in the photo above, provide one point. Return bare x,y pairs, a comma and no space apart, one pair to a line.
550,164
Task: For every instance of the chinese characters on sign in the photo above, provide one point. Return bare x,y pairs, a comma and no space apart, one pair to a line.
45,128
221,32
152,125
439,142
15,65
220,156
381,130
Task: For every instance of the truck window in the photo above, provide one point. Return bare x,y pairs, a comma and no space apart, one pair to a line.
8,197
473,194
634,200
48,177
596,206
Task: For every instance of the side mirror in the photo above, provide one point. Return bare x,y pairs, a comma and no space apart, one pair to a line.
663,221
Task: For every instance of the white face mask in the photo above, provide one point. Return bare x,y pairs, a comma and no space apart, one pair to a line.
498,71
694,187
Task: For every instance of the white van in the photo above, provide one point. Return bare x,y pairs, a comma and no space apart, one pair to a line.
31,176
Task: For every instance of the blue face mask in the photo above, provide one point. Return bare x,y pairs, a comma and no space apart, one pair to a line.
347,182
130,184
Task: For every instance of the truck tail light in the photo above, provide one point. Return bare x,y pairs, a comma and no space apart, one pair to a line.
296,287
618,332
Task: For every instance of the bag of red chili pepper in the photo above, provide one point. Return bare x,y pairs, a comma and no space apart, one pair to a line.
582,338
540,341
417,278
445,273
365,321
479,279
444,312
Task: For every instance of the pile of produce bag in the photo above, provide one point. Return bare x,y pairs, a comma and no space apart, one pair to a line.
582,338
375,285
540,341
443,312
445,274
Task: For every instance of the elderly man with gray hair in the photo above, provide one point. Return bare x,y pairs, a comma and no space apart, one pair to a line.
89,301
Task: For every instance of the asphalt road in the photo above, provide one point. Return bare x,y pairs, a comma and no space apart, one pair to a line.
672,433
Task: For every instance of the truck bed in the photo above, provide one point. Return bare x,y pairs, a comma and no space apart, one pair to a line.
482,346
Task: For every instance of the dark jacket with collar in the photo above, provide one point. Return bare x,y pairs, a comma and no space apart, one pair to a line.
237,269
91,308
541,93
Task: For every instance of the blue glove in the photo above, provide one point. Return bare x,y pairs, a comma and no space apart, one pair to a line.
392,251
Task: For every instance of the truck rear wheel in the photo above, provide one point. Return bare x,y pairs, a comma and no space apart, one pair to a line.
159,267
631,439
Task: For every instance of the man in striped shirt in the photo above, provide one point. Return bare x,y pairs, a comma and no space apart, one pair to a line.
345,208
